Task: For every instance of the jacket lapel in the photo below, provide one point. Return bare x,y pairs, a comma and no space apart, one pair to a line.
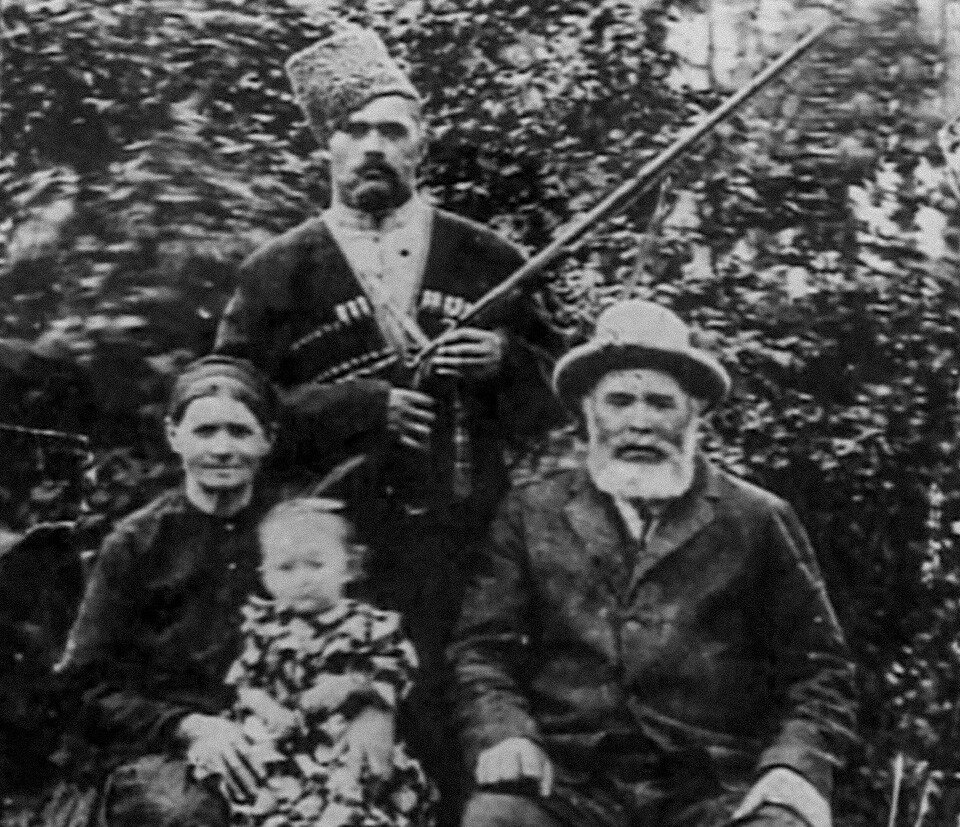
595,522
592,520
681,522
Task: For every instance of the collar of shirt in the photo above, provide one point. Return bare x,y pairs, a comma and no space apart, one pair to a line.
393,251
640,520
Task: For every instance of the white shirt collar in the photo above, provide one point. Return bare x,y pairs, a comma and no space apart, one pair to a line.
639,527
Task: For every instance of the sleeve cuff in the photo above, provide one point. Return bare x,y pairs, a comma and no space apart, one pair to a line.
798,796
816,768
166,729
519,726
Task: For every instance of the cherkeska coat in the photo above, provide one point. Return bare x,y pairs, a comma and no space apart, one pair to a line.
301,315
713,650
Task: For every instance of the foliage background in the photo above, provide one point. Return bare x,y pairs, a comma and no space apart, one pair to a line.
147,146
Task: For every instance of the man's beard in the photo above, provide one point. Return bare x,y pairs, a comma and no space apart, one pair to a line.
380,193
666,479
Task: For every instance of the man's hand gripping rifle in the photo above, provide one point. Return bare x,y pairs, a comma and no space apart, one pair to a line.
422,363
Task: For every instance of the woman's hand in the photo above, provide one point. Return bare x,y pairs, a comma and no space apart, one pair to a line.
216,746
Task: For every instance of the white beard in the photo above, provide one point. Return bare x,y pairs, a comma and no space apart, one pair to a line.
665,480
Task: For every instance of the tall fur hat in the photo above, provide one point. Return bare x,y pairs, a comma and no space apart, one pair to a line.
343,73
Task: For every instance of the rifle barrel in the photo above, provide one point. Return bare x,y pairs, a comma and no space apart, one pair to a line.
633,187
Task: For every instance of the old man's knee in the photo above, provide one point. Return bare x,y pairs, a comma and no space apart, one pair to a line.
157,791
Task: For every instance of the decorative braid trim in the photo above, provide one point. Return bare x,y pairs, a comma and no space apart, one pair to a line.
363,365
324,329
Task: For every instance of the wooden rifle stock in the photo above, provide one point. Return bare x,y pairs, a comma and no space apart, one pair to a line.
645,178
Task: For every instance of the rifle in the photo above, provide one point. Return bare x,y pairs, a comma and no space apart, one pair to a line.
418,366
640,183
948,139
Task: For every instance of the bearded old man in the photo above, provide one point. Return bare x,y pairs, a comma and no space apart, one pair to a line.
648,639
332,309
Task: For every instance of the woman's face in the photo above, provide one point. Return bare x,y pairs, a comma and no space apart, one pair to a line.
220,443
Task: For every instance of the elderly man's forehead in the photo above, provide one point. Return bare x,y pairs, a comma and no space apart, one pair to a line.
639,380
388,109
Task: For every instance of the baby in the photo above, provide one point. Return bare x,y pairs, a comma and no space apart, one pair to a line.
317,685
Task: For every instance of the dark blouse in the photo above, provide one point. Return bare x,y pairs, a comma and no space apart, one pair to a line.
158,628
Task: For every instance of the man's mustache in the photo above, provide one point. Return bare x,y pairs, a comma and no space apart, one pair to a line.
376,167
654,449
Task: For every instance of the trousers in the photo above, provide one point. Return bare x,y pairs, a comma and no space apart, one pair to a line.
485,809
417,569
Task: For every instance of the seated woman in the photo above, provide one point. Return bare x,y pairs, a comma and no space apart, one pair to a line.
317,685
159,625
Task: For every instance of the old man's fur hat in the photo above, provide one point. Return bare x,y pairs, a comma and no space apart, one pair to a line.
342,73
640,334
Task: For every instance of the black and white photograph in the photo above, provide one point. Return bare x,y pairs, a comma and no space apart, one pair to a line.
480,413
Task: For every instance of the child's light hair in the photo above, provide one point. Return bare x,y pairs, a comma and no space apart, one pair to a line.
319,511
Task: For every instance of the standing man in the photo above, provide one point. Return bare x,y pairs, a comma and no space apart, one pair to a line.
648,640
332,309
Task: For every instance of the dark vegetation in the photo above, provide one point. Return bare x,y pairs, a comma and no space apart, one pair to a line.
148,145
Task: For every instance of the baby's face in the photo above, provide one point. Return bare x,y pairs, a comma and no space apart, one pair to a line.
305,570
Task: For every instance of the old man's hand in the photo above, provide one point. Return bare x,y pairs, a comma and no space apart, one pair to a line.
786,788
513,760
410,418
469,351
216,746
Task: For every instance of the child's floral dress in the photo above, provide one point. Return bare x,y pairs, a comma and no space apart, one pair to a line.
286,654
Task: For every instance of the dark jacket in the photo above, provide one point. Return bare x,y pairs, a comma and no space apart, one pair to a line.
158,628
717,637
300,315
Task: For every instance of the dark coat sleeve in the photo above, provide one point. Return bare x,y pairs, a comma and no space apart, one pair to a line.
94,669
492,641
813,670
256,326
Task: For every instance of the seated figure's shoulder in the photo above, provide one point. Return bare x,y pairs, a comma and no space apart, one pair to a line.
138,528
482,241
280,254
746,496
